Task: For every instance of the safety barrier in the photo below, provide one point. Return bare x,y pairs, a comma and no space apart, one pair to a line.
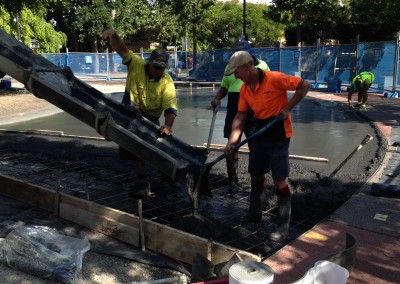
320,64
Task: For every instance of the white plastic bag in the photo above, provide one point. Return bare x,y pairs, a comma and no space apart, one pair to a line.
43,252
325,272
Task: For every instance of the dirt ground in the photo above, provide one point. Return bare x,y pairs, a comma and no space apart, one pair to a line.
313,200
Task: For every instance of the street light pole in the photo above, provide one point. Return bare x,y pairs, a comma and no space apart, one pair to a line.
18,29
244,21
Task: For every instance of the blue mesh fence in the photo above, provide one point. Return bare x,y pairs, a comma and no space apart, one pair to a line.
321,65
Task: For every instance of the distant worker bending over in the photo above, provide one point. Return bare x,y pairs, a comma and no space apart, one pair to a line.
150,89
361,84
231,86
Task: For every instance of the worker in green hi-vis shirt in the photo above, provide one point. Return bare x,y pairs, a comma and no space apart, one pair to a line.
231,86
361,84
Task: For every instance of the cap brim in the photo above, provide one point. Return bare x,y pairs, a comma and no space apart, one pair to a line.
229,71
158,63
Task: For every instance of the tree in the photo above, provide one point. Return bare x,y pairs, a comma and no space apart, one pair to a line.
316,15
131,16
145,21
260,29
82,21
190,16
33,26
5,20
14,7
91,20
36,28
224,22
375,20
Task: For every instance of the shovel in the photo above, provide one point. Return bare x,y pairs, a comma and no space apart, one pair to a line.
202,182
215,110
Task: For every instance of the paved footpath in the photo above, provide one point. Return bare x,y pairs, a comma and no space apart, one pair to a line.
371,216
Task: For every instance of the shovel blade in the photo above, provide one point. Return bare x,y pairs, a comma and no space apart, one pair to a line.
202,186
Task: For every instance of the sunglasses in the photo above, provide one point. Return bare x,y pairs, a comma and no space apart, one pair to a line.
158,67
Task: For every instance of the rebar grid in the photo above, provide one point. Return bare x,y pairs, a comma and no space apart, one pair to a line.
114,189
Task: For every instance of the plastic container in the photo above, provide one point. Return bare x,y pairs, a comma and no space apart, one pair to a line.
335,86
5,84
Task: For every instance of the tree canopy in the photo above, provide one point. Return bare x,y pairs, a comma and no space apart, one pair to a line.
78,24
29,26
225,26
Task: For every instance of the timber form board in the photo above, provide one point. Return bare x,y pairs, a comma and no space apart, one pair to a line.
120,225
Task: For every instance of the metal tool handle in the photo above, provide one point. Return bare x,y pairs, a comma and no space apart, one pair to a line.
215,110
252,136
258,132
363,142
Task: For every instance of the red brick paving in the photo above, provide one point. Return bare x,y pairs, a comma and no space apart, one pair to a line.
378,255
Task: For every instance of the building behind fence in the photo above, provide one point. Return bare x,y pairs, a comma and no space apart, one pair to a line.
320,64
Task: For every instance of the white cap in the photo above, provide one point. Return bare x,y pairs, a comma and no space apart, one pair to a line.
237,59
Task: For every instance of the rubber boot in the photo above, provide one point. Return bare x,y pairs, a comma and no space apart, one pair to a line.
258,198
232,166
284,215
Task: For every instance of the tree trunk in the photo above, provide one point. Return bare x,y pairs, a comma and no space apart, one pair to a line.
74,42
298,33
194,47
94,44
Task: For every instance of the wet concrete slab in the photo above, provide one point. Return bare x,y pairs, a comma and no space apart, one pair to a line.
326,131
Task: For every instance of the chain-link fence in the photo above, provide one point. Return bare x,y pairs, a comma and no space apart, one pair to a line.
322,65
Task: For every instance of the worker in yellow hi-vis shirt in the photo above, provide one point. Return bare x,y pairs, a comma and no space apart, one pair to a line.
150,89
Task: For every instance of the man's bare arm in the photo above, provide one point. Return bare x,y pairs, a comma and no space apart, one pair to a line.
116,42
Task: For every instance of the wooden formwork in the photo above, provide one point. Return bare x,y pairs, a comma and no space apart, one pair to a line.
120,225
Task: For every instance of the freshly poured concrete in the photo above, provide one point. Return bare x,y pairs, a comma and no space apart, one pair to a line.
327,131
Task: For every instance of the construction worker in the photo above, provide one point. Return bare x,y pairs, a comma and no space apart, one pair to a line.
265,92
149,88
231,86
360,84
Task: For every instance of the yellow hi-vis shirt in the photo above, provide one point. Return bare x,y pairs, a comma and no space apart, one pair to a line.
152,96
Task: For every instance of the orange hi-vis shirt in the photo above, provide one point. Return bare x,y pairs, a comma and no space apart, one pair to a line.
270,96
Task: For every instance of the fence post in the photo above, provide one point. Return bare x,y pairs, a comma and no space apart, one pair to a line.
396,62
280,56
356,57
108,66
67,59
317,60
299,59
